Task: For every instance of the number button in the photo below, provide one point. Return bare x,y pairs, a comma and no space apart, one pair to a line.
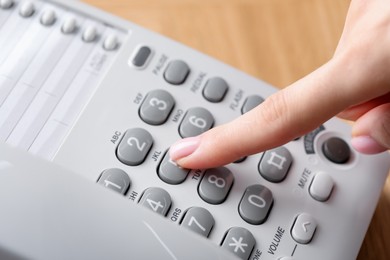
240,242
115,179
255,204
157,200
215,185
170,172
196,121
156,107
134,146
198,220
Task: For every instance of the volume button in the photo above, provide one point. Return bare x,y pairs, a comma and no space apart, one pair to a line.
27,9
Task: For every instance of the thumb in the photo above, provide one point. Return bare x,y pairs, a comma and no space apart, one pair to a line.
371,132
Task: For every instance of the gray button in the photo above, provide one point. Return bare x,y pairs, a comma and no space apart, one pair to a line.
240,242
303,229
115,179
157,200
275,164
176,72
215,185
134,146
196,121
251,102
255,204
156,107
141,56
336,150
198,220
215,89
170,172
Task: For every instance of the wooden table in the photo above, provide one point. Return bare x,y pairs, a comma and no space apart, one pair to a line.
278,41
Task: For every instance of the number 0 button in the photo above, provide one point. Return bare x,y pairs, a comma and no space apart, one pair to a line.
255,205
134,146
196,121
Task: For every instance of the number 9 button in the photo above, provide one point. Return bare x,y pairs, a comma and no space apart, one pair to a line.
156,107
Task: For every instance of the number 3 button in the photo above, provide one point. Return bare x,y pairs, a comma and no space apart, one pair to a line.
134,146
156,107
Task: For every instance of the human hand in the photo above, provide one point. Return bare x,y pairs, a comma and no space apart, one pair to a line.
354,84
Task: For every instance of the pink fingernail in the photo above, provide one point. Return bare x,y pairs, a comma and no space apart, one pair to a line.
184,147
367,145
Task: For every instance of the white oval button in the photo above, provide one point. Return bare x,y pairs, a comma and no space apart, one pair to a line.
304,227
26,9
321,186
48,17
69,25
89,34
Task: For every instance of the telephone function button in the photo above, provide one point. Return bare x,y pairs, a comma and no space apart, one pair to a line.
275,163
156,199
134,146
176,72
111,42
69,26
156,107
196,121
27,9
89,34
141,57
255,204
303,229
170,172
251,102
215,185
6,4
239,241
198,220
115,179
336,150
215,89
48,17
321,186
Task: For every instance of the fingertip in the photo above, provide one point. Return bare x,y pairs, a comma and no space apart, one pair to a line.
367,145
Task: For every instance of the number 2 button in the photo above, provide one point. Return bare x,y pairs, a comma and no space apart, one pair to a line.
134,146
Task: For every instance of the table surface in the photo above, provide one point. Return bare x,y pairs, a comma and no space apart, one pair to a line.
278,41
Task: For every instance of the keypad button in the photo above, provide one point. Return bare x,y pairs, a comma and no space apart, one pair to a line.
336,150
27,9
286,258
196,121
303,229
48,17
176,72
69,25
215,185
215,89
89,34
321,187
275,164
255,204
170,172
134,146
6,4
115,179
141,57
251,102
156,107
240,242
198,220
156,199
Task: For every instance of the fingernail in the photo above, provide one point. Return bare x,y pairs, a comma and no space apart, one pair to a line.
367,145
184,147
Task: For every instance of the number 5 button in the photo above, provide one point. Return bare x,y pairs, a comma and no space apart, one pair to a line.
255,204
134,146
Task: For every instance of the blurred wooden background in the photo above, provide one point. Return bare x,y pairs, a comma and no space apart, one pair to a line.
278,41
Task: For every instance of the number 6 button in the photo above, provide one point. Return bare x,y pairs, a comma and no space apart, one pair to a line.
134,146
255,205
196,121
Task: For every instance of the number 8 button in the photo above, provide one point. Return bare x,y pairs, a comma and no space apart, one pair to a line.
215,185
196,121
